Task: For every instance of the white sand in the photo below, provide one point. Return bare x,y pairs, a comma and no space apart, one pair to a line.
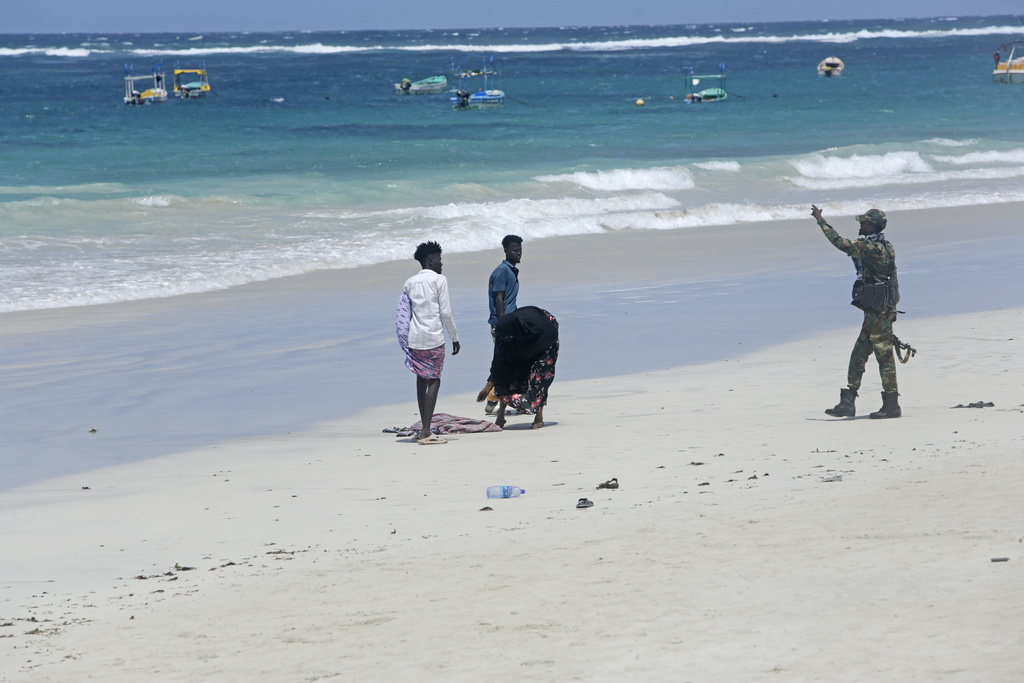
359,556
336,552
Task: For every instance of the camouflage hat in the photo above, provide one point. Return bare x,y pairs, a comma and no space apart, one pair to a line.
873,216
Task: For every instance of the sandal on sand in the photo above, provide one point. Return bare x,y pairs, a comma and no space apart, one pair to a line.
431,440
612,483
584,503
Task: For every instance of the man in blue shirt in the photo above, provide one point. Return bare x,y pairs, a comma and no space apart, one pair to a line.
503,286
502,290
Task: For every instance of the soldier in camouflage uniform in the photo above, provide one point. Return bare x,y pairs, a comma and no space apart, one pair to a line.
877,293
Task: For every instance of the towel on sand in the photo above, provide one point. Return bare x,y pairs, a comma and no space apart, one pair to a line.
443,423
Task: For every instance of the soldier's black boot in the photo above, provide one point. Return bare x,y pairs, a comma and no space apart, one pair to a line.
890,405
845,407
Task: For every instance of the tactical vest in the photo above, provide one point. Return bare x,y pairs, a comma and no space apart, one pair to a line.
876,295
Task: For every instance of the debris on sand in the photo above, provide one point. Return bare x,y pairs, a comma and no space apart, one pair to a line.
976,404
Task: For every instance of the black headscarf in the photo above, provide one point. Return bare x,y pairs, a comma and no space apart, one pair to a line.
521,337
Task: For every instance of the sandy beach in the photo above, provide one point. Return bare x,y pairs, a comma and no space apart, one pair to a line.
282,536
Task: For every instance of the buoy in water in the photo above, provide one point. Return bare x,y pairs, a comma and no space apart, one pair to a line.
639,103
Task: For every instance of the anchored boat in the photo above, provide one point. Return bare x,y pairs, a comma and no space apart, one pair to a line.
830,66
434,84
155,93
485,97
713,89
191,84
1011,69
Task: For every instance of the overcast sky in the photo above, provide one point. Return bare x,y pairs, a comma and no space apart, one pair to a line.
132,16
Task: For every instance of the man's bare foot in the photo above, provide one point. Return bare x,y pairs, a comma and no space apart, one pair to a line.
537,424
482,396
424,434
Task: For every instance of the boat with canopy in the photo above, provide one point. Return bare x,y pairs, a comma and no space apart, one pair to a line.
154,93
191,84
706,88
485,97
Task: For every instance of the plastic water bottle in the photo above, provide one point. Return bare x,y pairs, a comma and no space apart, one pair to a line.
504,491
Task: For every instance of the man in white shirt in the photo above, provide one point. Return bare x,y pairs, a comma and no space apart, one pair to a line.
429,311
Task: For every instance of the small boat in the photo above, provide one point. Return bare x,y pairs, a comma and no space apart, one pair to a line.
485,97
427,86
830,66
481,99
156,93
1010,70
713,92
191,84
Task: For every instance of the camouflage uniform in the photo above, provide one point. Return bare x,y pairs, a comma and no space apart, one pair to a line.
878,263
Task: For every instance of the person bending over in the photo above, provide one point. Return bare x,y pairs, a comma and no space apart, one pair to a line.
523,366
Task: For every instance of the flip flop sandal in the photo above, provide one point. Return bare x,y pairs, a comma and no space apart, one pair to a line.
584,503
431,440
612,483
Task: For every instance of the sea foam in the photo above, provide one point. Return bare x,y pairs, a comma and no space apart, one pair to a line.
873,166
627,179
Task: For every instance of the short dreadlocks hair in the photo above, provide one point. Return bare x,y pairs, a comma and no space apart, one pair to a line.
426,249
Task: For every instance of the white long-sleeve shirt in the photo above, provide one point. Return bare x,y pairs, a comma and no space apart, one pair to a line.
428,296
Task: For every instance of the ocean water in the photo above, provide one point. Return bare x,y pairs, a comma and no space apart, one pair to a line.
304,158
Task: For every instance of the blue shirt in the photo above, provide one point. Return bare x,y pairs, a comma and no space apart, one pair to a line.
505,278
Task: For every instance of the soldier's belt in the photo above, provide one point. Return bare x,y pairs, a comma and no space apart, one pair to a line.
876,295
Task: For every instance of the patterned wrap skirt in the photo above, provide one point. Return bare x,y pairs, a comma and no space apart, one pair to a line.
426,363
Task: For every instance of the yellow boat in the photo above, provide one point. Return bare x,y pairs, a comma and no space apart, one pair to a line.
1010,70
191,84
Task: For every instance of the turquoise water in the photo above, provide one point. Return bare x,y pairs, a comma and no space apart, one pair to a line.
304,158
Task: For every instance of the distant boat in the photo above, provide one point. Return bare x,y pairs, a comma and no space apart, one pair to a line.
830,66
485,97
156,93
191,84
481,99
434,84
713,89
1010,70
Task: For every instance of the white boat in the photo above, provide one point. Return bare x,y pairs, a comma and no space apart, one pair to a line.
434,84
1010,70
191,84
156,93
830,66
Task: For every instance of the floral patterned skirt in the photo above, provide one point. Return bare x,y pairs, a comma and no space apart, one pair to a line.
527,397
